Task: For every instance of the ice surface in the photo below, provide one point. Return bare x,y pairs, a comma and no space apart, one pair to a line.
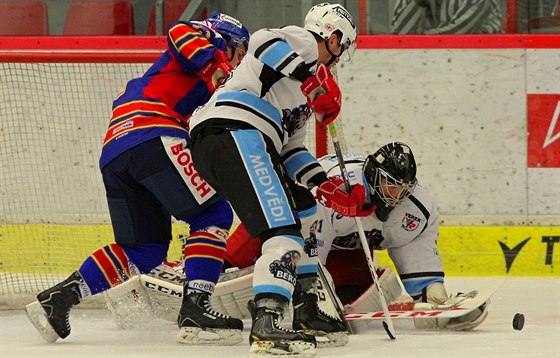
94,333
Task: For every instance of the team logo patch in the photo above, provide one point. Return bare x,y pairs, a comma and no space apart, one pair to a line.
285,268
310,247
295,119
410,222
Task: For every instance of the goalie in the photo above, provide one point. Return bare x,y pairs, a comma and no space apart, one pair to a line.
405,223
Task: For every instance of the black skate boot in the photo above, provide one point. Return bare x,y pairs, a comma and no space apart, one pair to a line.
267,337
56,303
329,330
196,316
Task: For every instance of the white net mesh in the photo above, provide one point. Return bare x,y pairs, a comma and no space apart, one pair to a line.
53,211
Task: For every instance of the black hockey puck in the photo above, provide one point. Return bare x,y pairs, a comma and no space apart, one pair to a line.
518,321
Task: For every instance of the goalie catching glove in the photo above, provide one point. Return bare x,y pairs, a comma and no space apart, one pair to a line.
216,70
323,95
330,195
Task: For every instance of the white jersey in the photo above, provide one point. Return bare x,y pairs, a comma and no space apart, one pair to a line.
260,93
409,234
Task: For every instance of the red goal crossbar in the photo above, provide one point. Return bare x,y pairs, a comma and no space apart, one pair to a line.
146,49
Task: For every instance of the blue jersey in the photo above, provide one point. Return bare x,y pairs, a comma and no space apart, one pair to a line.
161,102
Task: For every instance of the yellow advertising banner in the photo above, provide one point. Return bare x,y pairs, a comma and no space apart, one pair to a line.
498,250
465,251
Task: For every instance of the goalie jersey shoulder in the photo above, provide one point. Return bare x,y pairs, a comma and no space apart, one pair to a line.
354,163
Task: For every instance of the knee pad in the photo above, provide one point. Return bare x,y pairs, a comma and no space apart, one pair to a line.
146,256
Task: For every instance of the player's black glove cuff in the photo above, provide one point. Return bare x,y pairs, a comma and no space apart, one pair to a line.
318,179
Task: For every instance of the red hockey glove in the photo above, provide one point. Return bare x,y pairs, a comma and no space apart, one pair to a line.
330,195
323,95
216,70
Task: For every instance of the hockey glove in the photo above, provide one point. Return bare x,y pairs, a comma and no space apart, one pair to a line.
330,195
216,70
323,95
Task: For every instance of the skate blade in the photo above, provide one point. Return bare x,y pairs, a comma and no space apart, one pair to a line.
36,315
335,339
293,349
209,336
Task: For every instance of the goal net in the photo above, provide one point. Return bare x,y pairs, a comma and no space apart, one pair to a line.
54,113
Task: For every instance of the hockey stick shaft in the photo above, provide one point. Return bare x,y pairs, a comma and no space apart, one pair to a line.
388,323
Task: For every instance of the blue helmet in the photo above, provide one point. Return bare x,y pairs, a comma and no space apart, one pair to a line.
231,28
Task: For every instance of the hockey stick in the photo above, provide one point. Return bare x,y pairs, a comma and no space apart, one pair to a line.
470,302
387,323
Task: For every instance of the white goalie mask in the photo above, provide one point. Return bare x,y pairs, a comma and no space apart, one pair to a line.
324,19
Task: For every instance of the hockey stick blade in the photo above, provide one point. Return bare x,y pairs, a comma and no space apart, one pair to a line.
424,310
388,330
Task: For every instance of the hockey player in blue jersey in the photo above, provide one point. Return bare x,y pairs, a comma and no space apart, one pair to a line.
149,177
252,128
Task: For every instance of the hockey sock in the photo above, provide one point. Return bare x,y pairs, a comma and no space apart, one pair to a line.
204,256
107,267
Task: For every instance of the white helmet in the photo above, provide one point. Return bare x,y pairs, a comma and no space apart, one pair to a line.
325,18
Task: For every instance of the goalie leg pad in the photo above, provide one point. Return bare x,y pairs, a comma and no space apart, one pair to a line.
392,290
233,292
369,300
129,303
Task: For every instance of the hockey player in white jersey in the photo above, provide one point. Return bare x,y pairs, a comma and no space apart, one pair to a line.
405,223
252,128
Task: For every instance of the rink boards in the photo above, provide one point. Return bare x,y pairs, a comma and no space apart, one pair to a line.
465,251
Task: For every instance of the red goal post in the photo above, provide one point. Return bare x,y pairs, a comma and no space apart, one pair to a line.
56,95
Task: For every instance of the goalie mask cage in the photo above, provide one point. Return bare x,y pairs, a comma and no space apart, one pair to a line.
56,96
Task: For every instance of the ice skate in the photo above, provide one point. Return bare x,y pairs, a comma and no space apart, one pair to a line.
329,331
268,338
54,304
200,324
